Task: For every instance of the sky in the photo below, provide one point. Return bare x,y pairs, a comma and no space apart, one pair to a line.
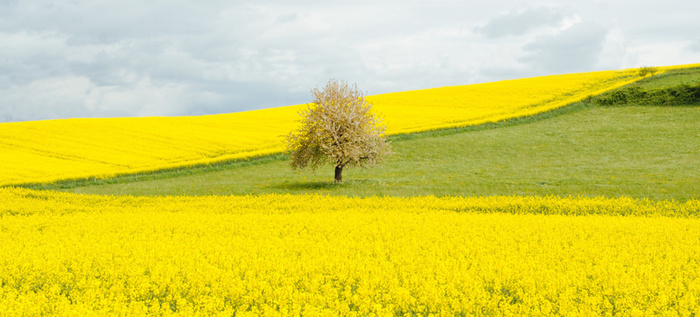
108,58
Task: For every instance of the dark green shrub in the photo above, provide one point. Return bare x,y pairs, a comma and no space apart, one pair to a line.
646,70
682,94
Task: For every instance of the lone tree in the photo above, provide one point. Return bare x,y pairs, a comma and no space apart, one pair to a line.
338,128
645,70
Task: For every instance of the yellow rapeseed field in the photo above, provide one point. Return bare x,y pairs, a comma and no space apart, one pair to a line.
283,255
280,255
52,150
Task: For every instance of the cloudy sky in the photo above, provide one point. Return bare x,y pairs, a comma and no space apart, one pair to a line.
108,58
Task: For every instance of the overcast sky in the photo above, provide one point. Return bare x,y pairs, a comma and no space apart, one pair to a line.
94,58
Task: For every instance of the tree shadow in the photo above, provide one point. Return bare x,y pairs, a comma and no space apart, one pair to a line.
307,185
322,185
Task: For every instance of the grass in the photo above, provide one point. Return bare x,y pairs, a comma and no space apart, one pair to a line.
589,152
687,76
580,150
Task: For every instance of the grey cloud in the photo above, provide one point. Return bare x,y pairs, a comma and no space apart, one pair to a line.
76,96
44,50
522,22
92,22
573,50
88,58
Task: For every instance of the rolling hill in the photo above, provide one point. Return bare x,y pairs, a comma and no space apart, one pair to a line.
54,150
641,151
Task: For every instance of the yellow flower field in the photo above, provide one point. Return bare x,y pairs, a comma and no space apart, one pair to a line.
279,255
284,255
52,150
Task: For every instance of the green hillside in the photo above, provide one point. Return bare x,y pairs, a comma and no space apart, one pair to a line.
598,148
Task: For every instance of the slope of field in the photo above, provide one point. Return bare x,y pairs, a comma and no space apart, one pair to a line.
47,151
579,150
67,254
629,151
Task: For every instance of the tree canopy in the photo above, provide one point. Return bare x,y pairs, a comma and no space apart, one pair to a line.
338,128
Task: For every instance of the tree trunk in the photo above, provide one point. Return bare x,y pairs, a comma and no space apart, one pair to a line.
338,174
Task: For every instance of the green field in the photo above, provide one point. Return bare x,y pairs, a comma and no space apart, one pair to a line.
649,151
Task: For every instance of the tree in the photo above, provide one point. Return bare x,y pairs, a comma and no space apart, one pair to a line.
645,70
339,128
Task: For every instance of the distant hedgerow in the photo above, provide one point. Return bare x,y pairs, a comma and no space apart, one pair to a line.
682,94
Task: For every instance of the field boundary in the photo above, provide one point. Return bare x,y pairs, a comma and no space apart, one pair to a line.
231,163
174,172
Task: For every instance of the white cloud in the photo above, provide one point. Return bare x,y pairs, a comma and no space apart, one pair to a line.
613,50
94,58
66,97
644,54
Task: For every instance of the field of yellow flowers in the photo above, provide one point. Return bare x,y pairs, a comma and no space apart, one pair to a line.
280,255
311,255
53,150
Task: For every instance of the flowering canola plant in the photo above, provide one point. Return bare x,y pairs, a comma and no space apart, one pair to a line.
53,150
283,255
